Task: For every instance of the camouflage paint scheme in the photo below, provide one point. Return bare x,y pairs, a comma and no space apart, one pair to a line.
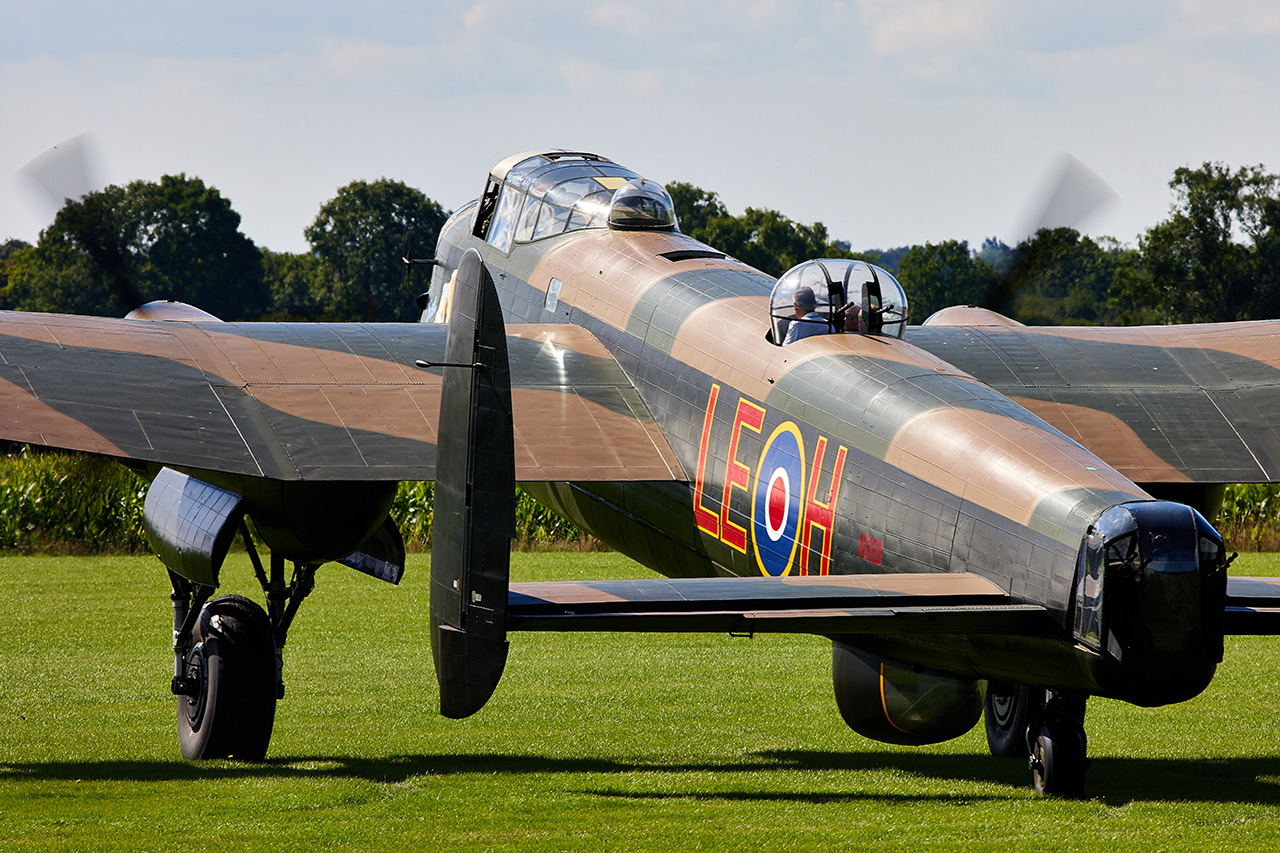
650,407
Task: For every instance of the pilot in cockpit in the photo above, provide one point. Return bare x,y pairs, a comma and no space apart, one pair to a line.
809,322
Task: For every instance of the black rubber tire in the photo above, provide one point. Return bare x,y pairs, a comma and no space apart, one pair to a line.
1058,761
1008,711
233,657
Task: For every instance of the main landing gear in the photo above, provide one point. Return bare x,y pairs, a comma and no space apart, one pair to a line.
1044,726
227,660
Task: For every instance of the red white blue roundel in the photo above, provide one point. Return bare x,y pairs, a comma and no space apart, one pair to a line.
777,505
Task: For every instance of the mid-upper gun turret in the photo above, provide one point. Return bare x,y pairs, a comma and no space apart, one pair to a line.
848,296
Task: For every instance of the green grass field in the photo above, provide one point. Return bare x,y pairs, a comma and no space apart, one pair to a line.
591,742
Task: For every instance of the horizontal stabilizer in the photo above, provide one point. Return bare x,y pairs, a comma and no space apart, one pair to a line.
1253,606
957,603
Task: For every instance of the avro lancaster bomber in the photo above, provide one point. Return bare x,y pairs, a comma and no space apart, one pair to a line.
979,515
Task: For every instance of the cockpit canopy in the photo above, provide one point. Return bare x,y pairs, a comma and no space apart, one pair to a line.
851,296
535,195
642,204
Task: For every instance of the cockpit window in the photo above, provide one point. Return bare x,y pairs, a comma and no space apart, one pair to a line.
504,220
547,194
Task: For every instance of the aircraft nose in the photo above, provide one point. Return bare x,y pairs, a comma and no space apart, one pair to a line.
1149,597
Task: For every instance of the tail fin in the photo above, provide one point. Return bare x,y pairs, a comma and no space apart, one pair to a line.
474,517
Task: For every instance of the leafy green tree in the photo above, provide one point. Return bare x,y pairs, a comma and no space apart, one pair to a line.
1214,258
360,235
7,249
1059,277
695,207
998,254
886,258
938,275
1266,251
115,248
298,286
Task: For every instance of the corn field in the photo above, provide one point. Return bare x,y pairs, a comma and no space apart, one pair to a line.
70,503
1250,517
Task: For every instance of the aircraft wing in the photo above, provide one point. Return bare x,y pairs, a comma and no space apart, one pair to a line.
955,603
1195,403
303,401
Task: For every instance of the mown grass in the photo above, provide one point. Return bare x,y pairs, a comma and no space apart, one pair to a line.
591,743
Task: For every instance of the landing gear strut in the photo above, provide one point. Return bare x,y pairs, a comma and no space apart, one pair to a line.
1058,746
228,666
1058,759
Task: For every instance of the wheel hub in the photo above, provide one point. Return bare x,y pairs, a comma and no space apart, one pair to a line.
197,675
1002,704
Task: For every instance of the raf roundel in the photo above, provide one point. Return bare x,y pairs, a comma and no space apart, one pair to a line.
776,503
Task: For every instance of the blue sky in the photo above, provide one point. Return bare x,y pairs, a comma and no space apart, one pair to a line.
892,121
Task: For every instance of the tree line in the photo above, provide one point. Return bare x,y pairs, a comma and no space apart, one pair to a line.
177,238
1215,258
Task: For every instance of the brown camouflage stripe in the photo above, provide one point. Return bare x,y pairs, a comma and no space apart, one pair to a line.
607,273
786,591
968,315
1256,340
1108,437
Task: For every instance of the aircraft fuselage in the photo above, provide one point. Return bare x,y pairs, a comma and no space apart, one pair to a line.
842,453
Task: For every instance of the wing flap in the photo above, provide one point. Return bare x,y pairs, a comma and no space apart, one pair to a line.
959,603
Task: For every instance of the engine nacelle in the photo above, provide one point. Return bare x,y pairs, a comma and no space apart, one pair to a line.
317,521
169,309
310,521
893,703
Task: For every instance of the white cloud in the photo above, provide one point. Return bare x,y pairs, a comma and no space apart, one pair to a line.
488,15
364,59
584,75
927,26
1233,18
626,17
756,14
